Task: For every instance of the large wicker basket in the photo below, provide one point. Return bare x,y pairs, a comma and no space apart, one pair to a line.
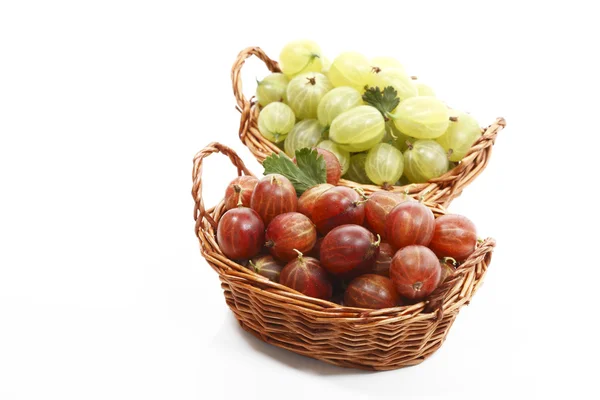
348,337
441,190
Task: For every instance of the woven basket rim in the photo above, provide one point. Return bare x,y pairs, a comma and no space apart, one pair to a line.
441,190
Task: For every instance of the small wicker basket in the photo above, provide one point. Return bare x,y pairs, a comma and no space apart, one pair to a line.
348,337
440,190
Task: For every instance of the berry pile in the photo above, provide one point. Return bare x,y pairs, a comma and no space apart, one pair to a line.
334,242
383,125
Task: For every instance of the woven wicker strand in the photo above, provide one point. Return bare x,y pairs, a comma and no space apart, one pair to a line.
344,336
441,190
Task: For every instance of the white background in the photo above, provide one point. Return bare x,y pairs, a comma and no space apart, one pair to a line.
103,292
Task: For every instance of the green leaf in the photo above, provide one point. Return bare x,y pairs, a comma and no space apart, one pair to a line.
310,171
312,164
385,101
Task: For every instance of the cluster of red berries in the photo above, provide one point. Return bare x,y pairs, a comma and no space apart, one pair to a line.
335,243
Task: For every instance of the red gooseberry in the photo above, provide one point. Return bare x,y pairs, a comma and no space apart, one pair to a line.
447,265
415,271
410,223
454,236
273,195
241,186
338,206
371,291
266,266
349,250
334,168
305,275
382,263
379,206
288,233
241,233
306,202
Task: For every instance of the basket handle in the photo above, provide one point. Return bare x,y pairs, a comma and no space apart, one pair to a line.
200,210
236,79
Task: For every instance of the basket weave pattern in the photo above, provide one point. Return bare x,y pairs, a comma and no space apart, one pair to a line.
348,337
440,190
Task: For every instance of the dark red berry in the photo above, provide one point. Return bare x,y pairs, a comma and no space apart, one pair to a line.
415,271
371,291
242,186
409,223
338,206
349,250
305,275
240,233
273,195
289,233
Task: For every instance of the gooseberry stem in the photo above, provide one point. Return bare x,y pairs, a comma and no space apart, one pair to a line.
453,118
388,115
300,255
409,145
238,190
361,191
452,260
269,244
253,265
378,242
310,59
360,202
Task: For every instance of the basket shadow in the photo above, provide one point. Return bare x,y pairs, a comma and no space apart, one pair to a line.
294,360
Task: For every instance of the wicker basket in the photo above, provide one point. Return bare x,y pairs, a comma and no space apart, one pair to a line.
348,337
441,190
